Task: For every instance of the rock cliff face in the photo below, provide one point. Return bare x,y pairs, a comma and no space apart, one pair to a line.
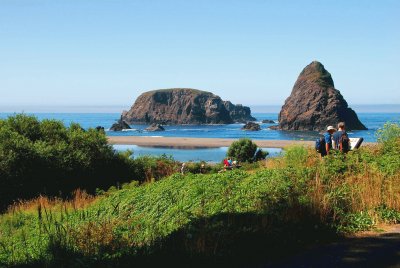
315,103
183,106
238,112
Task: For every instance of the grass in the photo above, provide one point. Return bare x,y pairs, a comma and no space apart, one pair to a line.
238,217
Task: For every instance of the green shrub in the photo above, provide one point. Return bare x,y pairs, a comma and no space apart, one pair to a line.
389,133
244,150
355,222
389,139
296,156
202,167
148,168
260,155
47,157
388,215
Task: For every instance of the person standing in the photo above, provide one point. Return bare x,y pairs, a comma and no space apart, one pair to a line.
341,139
328,138
183,168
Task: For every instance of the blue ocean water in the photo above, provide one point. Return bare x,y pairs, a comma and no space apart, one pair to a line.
373,121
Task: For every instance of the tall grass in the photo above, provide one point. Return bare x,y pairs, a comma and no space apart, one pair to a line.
294,200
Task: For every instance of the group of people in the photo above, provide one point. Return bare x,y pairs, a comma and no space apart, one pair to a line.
336,139
229,164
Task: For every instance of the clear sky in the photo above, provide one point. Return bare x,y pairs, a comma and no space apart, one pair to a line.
107,52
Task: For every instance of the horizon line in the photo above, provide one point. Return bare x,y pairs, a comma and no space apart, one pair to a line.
118,108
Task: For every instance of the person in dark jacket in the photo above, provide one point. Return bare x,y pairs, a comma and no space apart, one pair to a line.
341,140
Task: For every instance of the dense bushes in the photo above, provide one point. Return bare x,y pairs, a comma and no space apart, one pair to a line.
230,216
48,158
149,168
244,150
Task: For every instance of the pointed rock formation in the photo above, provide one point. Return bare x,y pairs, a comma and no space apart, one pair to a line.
184,106
119,125
315,103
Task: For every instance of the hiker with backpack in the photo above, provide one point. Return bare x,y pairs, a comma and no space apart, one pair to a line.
324,144
341,139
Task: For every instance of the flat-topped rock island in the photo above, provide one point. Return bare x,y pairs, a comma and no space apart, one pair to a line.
176,106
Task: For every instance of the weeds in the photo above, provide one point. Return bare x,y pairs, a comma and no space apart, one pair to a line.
291,201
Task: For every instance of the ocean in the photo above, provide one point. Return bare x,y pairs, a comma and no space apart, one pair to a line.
372,120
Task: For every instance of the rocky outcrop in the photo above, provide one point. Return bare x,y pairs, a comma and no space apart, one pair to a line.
268,121
238,112
183,106
120,125
251,126
155,127
99,128
315,103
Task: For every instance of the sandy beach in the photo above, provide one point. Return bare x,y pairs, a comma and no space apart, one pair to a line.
198,142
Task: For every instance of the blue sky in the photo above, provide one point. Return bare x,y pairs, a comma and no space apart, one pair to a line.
103,52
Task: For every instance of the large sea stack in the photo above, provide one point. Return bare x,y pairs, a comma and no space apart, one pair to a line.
315,103
184,106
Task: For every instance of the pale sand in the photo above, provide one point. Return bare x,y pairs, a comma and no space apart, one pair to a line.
199,142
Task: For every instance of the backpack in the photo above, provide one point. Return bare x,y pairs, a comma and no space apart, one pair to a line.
344,143
320,145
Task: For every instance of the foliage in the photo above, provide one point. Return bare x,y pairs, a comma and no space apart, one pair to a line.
389,133
150,168
260,155
202,167
355,222
238,215
389,137
388,215
38,157
296,156
244,150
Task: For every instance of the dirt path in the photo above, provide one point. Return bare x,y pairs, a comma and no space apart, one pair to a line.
369,249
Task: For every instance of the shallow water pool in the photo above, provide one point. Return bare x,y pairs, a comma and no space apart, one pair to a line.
185,155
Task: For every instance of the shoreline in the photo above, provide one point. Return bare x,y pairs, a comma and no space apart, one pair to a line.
197,143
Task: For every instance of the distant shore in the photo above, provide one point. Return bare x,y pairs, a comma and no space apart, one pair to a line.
182,142
198,142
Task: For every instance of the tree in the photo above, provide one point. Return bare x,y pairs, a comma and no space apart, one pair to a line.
38,157
244,150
